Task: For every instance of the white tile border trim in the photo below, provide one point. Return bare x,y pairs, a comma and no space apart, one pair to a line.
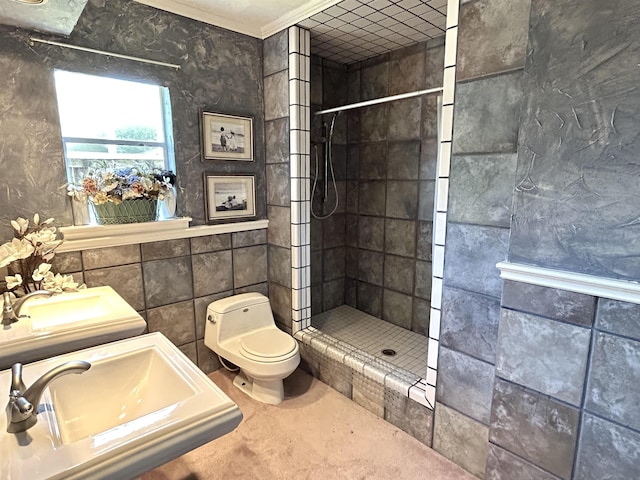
623,290
100,236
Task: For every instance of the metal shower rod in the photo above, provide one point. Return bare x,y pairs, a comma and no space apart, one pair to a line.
33,40
381,100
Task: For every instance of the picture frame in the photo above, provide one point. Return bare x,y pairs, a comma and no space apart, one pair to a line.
226,137
229,196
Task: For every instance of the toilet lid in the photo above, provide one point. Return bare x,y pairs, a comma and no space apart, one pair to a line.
268,343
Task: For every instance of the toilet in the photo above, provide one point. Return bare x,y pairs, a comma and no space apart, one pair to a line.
241,330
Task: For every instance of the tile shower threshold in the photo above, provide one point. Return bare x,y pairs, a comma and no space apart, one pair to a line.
377,369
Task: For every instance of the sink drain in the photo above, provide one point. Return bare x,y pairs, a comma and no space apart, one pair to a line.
390,352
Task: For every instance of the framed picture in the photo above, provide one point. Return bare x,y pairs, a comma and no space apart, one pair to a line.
226,137
229,196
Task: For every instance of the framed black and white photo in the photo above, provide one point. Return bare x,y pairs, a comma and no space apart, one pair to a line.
229,196
226,137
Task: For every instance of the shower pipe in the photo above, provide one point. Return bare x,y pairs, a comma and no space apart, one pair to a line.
381,100
328,167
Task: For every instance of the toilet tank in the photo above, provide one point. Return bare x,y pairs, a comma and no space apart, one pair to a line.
239,314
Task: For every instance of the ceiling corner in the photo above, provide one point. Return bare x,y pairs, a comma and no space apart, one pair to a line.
297,15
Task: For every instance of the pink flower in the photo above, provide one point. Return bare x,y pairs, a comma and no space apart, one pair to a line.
89,185
138,188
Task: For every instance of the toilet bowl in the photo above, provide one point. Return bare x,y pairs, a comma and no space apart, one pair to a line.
241,330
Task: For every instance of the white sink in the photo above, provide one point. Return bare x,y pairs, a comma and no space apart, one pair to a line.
67,322
141,404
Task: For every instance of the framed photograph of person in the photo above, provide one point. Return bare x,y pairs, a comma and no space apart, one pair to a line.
229,196
226,137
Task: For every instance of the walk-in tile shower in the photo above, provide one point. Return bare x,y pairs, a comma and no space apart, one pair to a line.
371,247
375,190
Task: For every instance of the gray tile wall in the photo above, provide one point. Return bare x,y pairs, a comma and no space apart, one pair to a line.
328,244
278,173
491,49
171,283
544,378
567,386
33,157
389,177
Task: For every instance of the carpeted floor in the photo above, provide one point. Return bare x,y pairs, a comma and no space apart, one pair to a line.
316,433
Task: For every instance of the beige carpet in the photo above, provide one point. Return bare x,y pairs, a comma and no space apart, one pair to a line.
316,433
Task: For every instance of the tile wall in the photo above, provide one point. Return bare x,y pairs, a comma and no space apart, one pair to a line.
287,119
568,364
171,283
579,418
299,151
378,244
278,173
328,265
535,382
391,169
481,178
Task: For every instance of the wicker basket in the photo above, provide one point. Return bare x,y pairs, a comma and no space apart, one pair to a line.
136,210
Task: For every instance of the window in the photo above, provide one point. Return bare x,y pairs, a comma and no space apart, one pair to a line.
112,123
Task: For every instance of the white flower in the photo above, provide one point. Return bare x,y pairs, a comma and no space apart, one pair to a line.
130,194
40,272
60,283
16,249
6,255
13,281
147,183
20,225
110,186
37,248
43,237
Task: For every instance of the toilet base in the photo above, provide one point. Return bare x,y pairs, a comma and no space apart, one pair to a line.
265,391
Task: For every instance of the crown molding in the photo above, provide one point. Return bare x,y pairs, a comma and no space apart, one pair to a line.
303,12
205,16
291,18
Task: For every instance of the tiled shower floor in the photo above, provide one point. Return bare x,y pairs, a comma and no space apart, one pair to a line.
372,335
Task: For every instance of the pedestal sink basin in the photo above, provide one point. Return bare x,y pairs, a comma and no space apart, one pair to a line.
66,322
141,404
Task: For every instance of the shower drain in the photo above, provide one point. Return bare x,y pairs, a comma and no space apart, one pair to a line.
390,352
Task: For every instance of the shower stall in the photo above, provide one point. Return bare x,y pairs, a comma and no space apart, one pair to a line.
373,177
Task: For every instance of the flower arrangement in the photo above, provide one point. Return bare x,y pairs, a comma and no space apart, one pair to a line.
126,183
28,258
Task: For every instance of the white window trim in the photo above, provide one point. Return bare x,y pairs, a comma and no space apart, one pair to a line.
101,236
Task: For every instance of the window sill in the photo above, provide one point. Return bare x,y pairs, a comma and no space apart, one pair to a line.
100,236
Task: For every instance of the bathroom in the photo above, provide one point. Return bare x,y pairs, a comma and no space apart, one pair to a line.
514,193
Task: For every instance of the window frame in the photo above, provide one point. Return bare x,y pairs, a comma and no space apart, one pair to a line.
167,125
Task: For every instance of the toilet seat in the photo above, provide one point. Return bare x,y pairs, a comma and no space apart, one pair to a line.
268,345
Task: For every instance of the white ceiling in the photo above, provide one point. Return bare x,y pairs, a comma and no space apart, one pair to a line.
345,31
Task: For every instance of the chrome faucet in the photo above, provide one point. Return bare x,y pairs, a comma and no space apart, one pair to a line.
11,308
23,402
